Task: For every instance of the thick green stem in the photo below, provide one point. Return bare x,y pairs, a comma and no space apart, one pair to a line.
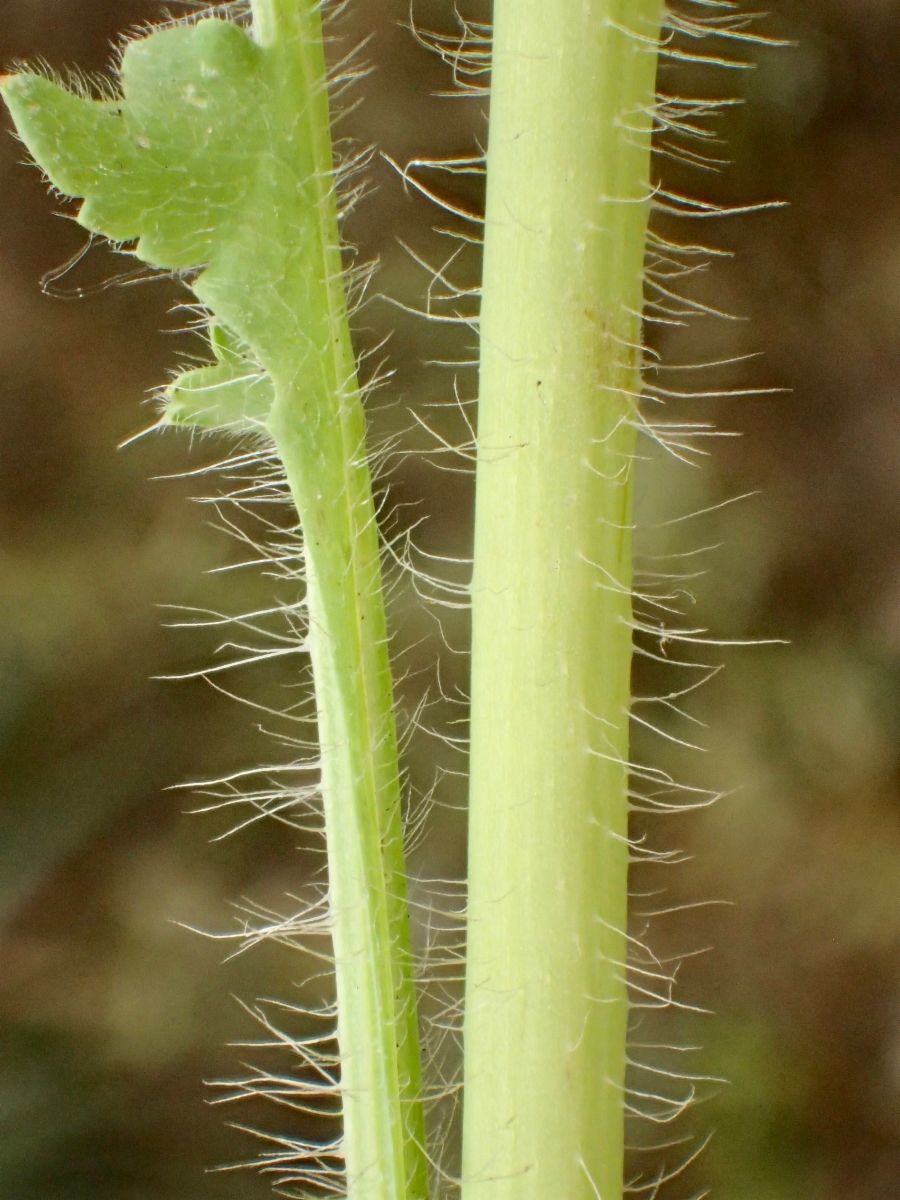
568,198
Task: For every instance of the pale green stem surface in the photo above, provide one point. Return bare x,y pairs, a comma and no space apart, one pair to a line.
384,1133
567,207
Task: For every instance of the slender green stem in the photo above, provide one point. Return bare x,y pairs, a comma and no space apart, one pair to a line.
324,453
568,199
218,158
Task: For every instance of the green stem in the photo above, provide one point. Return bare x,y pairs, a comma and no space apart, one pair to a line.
323,447
218,156
274,19
567,206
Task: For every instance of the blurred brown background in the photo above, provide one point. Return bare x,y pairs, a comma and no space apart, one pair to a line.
111,1014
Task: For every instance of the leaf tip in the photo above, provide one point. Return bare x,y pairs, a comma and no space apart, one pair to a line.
7,82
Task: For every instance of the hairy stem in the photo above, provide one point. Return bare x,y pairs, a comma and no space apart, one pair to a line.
324,454
568,198
217,158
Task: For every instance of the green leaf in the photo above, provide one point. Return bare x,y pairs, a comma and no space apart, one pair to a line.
156,164
234,393
206,160
217,159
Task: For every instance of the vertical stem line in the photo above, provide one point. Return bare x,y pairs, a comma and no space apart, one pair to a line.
573,83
